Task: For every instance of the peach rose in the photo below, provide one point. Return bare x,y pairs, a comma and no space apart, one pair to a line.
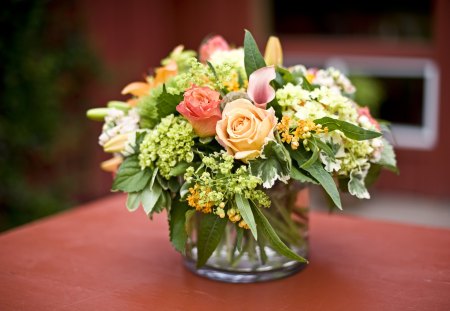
216,43
244,128
201,106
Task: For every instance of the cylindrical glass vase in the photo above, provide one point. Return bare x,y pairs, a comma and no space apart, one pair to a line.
288,215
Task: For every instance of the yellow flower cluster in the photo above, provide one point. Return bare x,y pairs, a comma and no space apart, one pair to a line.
303,130
195,201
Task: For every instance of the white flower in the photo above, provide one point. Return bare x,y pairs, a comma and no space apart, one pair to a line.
116,123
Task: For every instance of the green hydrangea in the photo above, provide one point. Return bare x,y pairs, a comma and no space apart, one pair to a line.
168,144
357,154
198,74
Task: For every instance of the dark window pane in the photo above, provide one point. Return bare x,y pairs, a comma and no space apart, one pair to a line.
383,19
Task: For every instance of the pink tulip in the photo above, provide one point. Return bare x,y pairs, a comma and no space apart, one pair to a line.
259,89
201,107
213,44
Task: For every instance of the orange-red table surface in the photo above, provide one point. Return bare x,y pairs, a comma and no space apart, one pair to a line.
101,257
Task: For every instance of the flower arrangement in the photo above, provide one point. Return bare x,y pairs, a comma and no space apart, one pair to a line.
212,135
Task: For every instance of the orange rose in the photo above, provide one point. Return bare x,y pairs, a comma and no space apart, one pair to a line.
201,106
244,129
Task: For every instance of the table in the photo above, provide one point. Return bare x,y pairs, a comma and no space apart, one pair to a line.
101,257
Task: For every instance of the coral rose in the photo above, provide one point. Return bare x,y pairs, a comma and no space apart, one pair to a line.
244,129
213,44
201,106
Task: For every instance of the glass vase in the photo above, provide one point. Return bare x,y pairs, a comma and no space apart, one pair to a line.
288,215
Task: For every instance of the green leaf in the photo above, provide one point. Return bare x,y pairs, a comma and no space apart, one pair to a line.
284,77
325,147
164,202
253,60
184,190
261,247
273,164
150,197
174,184
306,85
312,159
177,227
299,175
244,208
130,177
164,183
148,112
356,185
271,236
179,169
188,223
138,141
350,130
239,237
372,174
278,110
167,103
319,173
388,157
133,201
210,233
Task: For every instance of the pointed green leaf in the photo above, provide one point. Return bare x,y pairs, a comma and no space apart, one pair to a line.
312,159
299,175
253,60
177,228
133,201
149,197
319,173
244,208
271,236
324,147
210,233
130,177
350,130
